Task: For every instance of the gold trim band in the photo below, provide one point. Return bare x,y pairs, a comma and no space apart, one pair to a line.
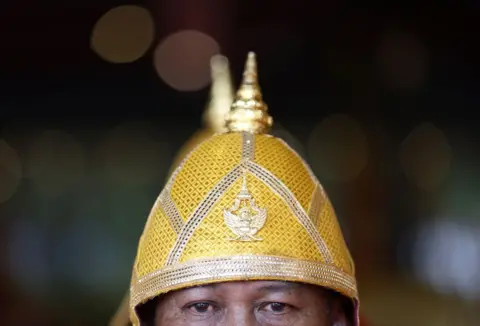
170,209
315,204
248,146
241,268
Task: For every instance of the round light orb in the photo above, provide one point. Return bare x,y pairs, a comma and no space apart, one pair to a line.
182,60
124,34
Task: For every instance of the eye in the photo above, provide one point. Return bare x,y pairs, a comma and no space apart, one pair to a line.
277,308
201,308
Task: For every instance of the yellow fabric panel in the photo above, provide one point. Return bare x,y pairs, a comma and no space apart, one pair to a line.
155,244
281,236
198,137
205,167
332,235
286,166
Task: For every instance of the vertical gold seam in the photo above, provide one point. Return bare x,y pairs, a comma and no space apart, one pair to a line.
315,205
248,146
170,209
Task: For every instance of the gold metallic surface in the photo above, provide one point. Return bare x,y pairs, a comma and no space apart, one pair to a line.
249,112
187,240
221,95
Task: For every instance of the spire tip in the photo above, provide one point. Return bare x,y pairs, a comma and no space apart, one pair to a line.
249,113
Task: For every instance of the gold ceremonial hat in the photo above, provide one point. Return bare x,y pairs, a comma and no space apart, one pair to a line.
242,205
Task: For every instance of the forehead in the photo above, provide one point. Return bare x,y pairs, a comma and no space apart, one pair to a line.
255,287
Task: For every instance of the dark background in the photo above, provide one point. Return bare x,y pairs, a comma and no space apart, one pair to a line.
87,143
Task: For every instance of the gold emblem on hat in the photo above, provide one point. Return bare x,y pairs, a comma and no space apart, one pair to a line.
244,218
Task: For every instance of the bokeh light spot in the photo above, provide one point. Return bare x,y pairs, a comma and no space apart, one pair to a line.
182,60
124,34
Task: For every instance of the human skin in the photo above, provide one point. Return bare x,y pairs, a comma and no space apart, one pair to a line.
250,303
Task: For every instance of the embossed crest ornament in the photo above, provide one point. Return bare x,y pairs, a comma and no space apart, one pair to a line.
244,218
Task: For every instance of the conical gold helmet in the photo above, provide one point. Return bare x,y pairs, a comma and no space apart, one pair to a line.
242,205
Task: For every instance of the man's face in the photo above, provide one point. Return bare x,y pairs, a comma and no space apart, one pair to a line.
253,303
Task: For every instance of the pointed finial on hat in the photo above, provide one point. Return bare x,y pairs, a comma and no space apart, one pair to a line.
221,94
248,112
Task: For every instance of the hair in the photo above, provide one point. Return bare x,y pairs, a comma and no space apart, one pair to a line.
147,311
344,304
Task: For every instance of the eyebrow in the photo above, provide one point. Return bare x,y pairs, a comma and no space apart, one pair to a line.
204,286
278,287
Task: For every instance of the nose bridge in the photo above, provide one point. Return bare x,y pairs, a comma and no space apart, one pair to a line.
240,315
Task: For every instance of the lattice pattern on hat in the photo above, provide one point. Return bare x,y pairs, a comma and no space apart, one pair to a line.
274,156
283,192
210,161
152,251
332,235
281,236
192,142
201,212
214,167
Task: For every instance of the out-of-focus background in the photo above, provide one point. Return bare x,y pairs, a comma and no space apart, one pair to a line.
97,97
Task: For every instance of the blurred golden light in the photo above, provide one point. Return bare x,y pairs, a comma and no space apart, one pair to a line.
130,156
426,156
124,34
182,60
55,162
403,61
10,171
338,149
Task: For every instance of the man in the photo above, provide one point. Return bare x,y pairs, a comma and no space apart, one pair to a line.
243,234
